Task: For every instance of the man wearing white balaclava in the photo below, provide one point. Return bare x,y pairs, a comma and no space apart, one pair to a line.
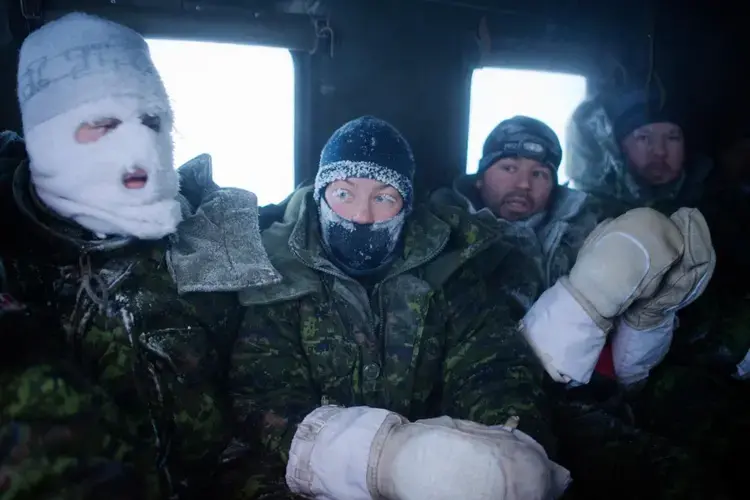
95,108
93,214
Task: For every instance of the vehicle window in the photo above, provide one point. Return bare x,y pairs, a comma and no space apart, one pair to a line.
235,102
498,93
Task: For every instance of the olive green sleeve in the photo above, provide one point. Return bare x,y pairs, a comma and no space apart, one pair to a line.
272,391
491,373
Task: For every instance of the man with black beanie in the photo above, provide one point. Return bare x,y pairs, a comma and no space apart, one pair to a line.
628,149
517,181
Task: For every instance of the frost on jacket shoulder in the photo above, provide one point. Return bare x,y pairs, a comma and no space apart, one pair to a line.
430,339
595,164
217,246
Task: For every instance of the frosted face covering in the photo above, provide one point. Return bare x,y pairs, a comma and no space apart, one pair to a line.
108,165
361,247
370,166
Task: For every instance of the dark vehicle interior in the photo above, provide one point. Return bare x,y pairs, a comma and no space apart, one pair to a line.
411,61
261,85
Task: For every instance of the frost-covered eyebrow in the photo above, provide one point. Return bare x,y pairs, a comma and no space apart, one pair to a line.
380,185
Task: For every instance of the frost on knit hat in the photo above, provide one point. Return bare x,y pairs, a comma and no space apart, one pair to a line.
81,58
369,148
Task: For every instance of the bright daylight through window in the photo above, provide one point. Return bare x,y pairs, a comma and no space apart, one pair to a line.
497,94
235,102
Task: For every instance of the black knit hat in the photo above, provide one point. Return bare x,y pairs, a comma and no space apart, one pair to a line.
369,148
525,137
634,108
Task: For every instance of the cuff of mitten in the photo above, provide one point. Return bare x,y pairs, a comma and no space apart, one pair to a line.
743,368
603,323
636,352
565,338
330,452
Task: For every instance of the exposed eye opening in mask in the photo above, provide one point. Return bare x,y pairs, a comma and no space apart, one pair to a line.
87,133
152,121
92,132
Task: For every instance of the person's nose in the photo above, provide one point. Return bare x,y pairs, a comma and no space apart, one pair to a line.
363,214
523,181
659,148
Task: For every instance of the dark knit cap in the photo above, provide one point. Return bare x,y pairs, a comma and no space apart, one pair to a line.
524,137
634,108
369,148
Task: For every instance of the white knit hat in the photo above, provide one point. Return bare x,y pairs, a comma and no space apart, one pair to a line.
81,58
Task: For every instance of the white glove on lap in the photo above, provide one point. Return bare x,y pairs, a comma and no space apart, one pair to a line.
445,458
367,453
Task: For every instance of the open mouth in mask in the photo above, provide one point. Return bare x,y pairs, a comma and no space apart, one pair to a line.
136,179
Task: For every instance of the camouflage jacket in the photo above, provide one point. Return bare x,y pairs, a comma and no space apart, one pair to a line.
595,165
431,338
59,436
156,354
553,238
56,430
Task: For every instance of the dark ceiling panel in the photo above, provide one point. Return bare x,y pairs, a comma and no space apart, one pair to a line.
196,21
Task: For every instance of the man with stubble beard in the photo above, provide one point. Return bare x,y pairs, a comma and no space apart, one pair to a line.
628,149
517,182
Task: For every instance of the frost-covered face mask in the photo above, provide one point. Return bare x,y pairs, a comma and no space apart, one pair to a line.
108,165
361,247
